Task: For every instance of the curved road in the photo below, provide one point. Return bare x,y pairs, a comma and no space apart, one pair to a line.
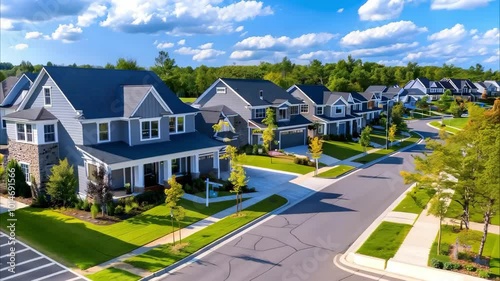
300,243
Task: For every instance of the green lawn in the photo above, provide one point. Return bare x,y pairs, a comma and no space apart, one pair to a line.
190,100
341,150
162,256
378,137
437,124
385,241
383,152
77,243
113,274
491,247
281,163
415,200
456,122
476,215
336,172
203,194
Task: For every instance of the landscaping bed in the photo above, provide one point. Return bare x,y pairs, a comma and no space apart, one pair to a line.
385,241
336,171
415,200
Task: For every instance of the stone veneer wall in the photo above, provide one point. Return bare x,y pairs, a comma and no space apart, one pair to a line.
37,156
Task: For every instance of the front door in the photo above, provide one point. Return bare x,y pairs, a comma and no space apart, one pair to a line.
151,174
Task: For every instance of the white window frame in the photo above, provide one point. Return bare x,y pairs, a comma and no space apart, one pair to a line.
262,115
45,133
109,132
304,108
25,132
279,114
150,128
318,110
4,124
221,90
341,109
176,124
294,107
27,176
50,96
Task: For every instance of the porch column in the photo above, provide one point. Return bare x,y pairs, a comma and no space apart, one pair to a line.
216,163
167,169
139,175
195,166
350,132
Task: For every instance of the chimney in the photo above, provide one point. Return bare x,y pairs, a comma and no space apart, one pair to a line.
260,95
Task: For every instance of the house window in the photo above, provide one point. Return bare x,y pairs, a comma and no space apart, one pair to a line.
25,167
221,90
282,113
103,132
260,113
180,124
176,167
339,109
91,172
47,96
25,132
149,130
321,129
319,110
304,108
176,124
171,122
4,124
294,110
49,133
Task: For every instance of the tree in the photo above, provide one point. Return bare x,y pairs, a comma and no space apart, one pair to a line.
21,187
268,133
178,214
174,193
457,109
109,66
422,103
392,133
62,184
438,208
2,76
397,113
286,66
99,189
316,149
127,64
239,180
364,138
445,100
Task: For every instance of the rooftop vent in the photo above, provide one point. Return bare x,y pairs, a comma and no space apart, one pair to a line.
260,94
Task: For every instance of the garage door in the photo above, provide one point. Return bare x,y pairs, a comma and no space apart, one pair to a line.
292,138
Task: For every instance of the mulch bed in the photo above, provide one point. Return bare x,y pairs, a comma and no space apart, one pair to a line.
26,201
86,216
470,262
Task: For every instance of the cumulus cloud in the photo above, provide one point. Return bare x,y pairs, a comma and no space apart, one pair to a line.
200,54
67,33
181,42
269,42
20,46
382,34
492,59
377,10
164,45
383,51
206,46
239,28
181,17
456,33
36,35
457,4
340,10
94,11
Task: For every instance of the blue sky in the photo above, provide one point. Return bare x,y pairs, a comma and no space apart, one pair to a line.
218,32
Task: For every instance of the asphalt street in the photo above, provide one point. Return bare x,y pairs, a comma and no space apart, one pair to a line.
301,242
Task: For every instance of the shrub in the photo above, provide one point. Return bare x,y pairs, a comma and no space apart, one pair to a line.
86,205
484,274
448,266
21,187
131,207
188,188
150,197
248,149
470,267
436,263
445,249
94,210
110,207
296,160
255,149
325,137
78,204
128,189
40,201
119,210
311,163
62,184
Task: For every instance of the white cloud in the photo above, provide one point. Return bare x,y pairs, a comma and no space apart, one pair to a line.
456,33
94,11
456,60
269,42
6,24
382,34
181,42
200,54
383,51
67,33
340,10
376,10
206,46
391,62
164,45
20,46
181,17
473,31
243,34
36,35
492,59
239,28
457,4
242,55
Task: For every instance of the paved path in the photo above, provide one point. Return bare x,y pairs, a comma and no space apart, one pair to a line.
5,205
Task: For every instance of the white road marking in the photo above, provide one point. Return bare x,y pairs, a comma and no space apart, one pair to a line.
50,275
27,271
17,252
21,263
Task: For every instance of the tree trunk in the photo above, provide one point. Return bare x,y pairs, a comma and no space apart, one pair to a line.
316,172
180,234
465,215
237,203
487,217
439,237
173,229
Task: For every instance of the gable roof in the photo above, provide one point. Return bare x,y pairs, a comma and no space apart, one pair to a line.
12,92
249,90
424,81
6,85
31,76
32,114
100,93
375,88
358,97
314,92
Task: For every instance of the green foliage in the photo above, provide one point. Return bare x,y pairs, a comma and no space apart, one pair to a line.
385,241
94,210
119,210
364,139
99,188
483,274
392,133
437,263
456,109
422,103
268,133
397,113
62,184
451,266
21,187
470,267
316,150
127,64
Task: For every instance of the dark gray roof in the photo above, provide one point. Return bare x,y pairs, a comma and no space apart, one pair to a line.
32,114
415,92
447,85
249,89
220,108
132,96
31,76
295,120
99,93
314,92
375,88
6,85
118,152
334,96
226,135
358,97
347,117
424,81
368,96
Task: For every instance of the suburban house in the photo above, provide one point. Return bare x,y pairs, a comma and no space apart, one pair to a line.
12,91
127,121
245,103
335,113
420,87
463,88
492,87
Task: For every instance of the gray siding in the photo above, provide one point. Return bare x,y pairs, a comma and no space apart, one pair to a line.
118,132
189,123
206,164
332,129
82,178
149,108
11,130
299,95
229,99
3,135
135,128
117,180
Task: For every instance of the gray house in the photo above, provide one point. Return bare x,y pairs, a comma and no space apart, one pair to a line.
130,122
249,99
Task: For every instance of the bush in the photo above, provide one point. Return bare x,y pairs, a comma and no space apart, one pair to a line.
484,274
248,149
40,201
436,263
255,149
128,189
297,160
21,187
119,210
94,210
470,267
110,207
448,266
325,137
311,163
150,197
86,205
445,249
188,189
78,204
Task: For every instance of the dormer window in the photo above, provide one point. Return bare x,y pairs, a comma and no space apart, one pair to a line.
103,132
339,109
47,96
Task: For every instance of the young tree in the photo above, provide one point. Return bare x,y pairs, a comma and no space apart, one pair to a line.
268,133
316,149
99,189
62,184
397,113
364,138
178,214
392,133
239,180
422,103
438,208
174,193
456,109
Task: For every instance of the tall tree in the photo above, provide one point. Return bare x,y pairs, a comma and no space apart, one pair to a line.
268,133
364,138
239,180
21,188
286,66
316,150
397,113
62,184
174,193
127,64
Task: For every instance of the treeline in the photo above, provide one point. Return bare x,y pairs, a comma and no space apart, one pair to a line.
344,75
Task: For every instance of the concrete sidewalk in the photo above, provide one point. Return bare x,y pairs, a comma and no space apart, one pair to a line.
4,205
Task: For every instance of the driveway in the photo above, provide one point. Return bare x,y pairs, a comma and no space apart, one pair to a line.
266,181
304,151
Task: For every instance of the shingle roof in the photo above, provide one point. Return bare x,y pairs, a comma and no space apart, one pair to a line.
220,108
314,92
32,114
99,93
31,76
295,120
415,91
447,85
249,89
132,96
6,85
375,88
357,96
424,81
118,152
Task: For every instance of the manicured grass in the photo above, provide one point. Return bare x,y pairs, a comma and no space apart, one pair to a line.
336,172
341,150
378,137
113,274
456,122
203,194
82,244
491,247
190,100
385,241
383,152
281,163
415,200
162,256
437,124
476,215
